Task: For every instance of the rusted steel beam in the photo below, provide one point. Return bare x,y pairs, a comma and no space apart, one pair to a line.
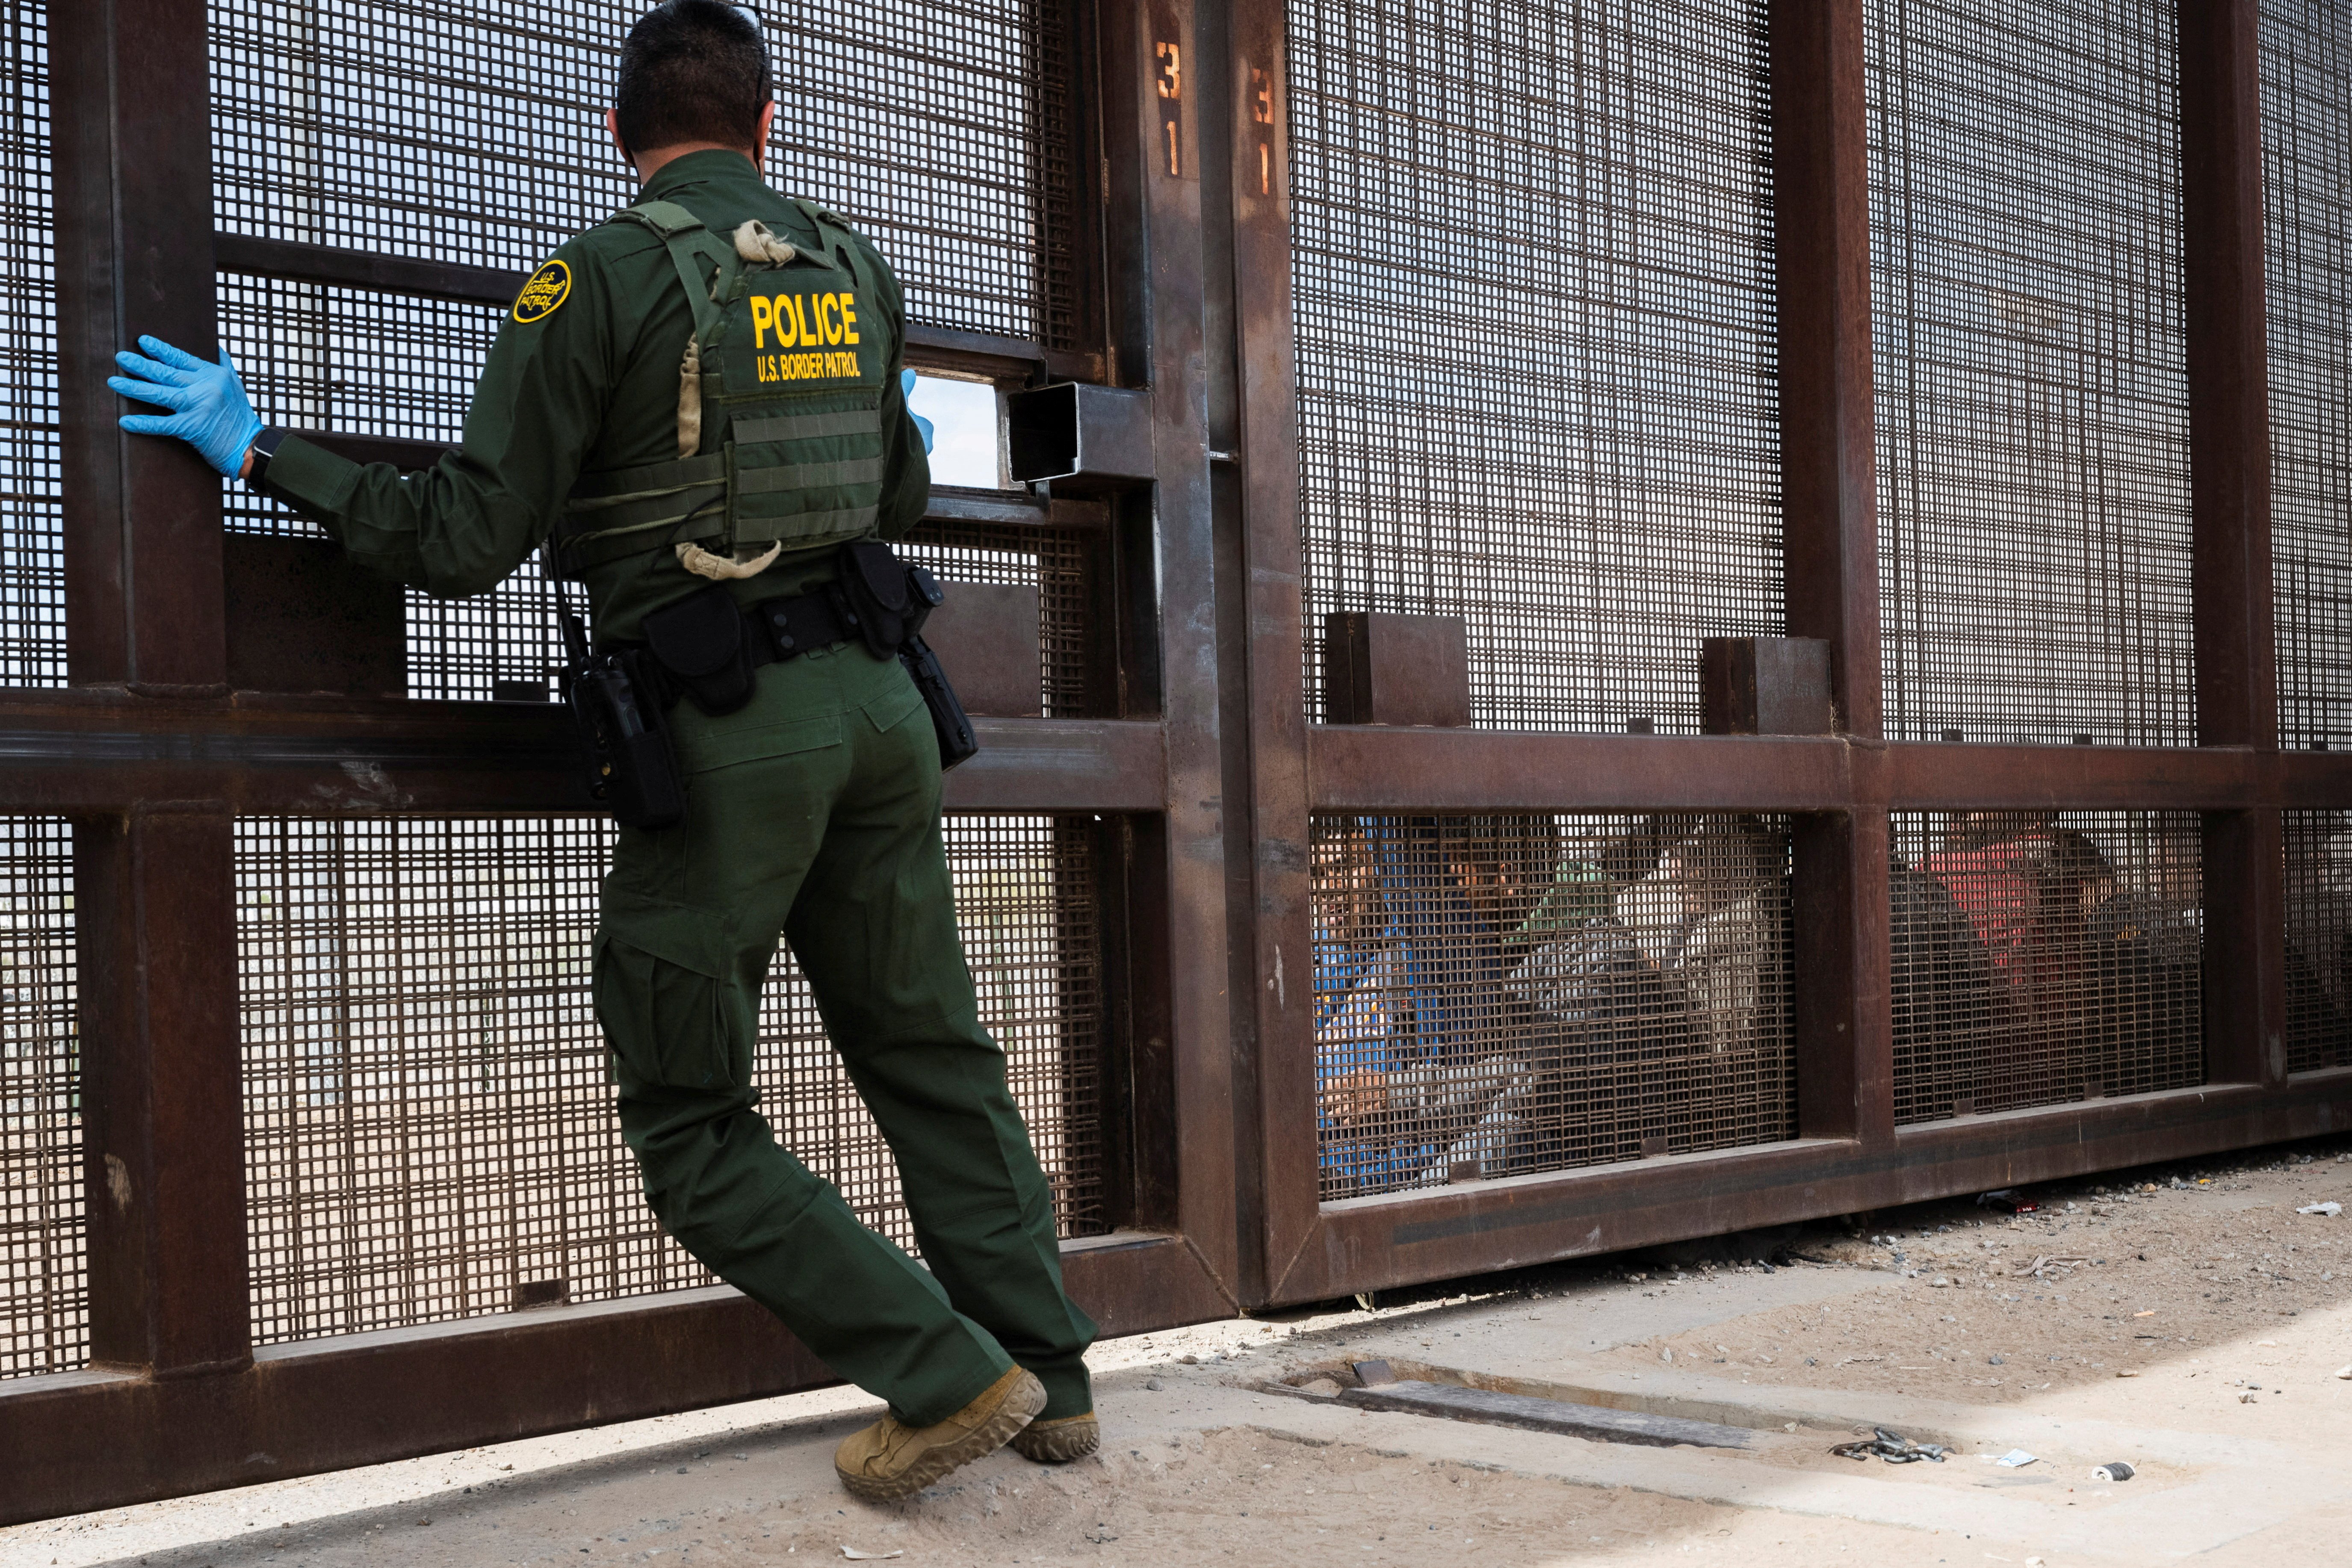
1150,87
2229,501
1821,180
2309,781
1276,902
1841,1010
1932,777
1378,1243
164,1162
1374,768
1821,214
97,751
87,1440
1062,764
1377,768
162,1090
130,97
2229,373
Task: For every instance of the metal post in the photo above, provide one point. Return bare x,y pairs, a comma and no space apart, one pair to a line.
164,1111
134,228
1828,490
2229,497
1269,709
1158,337
154,882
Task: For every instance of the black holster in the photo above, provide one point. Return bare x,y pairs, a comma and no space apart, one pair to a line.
618,706
887,602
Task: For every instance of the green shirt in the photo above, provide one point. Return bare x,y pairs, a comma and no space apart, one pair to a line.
591,384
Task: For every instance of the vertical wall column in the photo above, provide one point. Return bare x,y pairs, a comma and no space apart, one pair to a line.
1845,1083
1151,99
2229,497
1269,705
131,97
153,890
164,1111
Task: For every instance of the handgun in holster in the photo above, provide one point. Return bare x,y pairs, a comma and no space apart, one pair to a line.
619,705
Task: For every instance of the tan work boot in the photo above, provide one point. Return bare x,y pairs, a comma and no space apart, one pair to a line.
890,1459
1060,1440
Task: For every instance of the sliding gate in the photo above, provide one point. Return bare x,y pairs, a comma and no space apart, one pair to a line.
1673,617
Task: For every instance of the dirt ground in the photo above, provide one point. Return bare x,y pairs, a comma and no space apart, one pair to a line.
2114,1277
2184,1318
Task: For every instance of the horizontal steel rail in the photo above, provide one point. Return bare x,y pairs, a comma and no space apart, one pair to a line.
1367,1244
100,1438
91,751
1367,768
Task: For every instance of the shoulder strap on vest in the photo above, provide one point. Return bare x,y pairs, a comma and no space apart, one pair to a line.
686,238
840,239
665,218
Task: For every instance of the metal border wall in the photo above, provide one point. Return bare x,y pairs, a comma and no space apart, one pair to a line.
1202,768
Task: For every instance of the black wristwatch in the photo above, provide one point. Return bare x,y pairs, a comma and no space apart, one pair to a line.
264,447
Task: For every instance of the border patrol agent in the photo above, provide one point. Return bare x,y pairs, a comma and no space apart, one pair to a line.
707,391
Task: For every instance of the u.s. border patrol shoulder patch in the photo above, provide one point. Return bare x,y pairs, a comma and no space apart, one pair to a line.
549,286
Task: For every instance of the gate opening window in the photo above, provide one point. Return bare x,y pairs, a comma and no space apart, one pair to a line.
1532,278
429,1125
2307,92
2032,395
44,1271
968,446
2042,958
1502,996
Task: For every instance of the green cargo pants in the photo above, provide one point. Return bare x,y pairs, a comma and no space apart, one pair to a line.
815,811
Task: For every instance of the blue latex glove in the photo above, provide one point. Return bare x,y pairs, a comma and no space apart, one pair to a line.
209,409
907,390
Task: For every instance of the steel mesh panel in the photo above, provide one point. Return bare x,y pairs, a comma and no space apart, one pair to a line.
2033,402
362,363
43,1276
2041,959
32,549
429,1126
942,130
1532,281
2318,940
473,131
1499,995
1058,562
2306,89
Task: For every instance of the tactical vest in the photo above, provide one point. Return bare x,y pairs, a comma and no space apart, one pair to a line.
778,409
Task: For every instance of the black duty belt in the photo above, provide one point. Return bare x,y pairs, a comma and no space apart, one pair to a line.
780,630
707,645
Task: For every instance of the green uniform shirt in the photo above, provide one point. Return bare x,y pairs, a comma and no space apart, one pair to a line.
590,384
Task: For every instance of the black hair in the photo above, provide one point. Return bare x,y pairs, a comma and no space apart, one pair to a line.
693,70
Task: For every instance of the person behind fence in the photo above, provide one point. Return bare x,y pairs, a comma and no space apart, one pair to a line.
700,403
2320,938
1711,917
1419,1054
2145,931
1357,994
2029,886
1940,981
